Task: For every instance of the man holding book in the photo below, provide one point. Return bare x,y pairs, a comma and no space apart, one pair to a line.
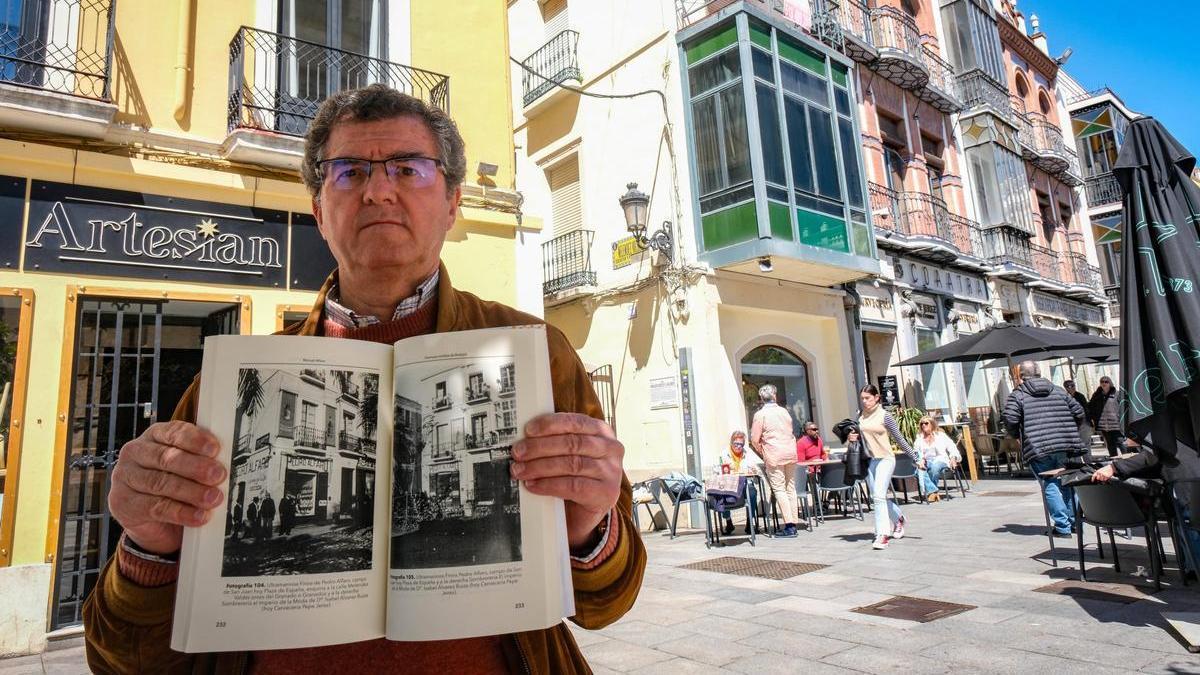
385,173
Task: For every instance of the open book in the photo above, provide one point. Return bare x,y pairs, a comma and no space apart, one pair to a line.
369,494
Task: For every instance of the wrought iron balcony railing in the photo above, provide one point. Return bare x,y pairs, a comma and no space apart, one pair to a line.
1045,262
854,17
309,436
567,262
1077,270
978,89
350,390
441,403
64,46
917,214
1092,94
1102,188
966,235
349,442
277,82
506,388
479,394
552,64
895,30
1003,244
942,89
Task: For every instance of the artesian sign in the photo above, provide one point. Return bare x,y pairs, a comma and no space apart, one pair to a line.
84,230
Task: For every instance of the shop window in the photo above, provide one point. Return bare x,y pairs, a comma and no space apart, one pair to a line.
789,373
933,376
16,312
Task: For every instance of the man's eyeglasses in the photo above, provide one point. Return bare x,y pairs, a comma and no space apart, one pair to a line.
352,173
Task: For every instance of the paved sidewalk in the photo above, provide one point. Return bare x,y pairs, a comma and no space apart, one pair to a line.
975,551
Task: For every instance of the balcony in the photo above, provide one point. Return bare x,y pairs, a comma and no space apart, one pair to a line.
898,42
1082,279
276,84
481,393
921,221
941,91
1045,263
567,266
554,63
309,436
854,21
980,92
441,403
313,375
349,442
1101,189
350,391
506,387
56,66
1008,250
1051,153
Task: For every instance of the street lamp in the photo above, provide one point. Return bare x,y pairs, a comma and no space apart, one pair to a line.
635,204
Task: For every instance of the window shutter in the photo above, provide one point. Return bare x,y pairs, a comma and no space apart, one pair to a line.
565,204
554,13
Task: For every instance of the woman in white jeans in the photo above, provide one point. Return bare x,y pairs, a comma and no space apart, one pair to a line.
877,426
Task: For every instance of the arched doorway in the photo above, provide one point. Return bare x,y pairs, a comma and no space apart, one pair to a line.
769,364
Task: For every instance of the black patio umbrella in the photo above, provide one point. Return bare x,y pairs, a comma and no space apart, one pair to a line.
1006,341
1160,288
1081,357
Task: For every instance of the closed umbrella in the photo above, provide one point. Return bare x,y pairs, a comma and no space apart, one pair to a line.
1160,288
1005,341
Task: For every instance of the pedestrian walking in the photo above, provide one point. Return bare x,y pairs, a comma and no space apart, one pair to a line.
878,426
772,438
266,515
1085,429
1047,421
1103,414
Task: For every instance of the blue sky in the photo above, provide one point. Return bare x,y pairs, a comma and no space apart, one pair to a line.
1146,51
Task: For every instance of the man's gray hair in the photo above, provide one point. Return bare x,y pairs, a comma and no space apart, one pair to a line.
381,102
767,393
1029,369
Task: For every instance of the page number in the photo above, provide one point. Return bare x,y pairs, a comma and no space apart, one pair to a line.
519,605
220,624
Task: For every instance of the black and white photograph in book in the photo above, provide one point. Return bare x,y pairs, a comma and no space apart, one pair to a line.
453,500
302,478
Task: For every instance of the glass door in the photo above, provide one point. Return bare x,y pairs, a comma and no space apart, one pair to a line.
329,46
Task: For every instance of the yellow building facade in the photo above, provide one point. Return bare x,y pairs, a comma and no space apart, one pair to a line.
149,197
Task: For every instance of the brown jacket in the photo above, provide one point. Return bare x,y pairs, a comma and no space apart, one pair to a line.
128,627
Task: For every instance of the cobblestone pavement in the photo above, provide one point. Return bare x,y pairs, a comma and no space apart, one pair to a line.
985,551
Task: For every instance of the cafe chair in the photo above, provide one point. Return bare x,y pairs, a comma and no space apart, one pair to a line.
832,481
1112,506
906,470
957,474
648,493
679,500
712,523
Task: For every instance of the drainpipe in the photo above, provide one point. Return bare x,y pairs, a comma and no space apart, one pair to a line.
183,60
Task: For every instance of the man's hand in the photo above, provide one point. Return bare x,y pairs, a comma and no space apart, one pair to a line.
1103,474
165,479
577,458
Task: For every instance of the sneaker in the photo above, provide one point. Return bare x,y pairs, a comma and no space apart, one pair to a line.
788,531
881,542
728,529
898,531
1062,535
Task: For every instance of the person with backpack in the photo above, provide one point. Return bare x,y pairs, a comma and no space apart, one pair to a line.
1046,419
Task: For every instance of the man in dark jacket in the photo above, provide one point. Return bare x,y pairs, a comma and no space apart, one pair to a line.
1102,413
1047,420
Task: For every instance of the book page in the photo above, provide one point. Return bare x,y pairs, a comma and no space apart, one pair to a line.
296,557
472,552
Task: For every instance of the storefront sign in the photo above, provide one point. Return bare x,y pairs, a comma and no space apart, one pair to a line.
12,208
926,314
1059,308
968,317
664,392
689,425
308,463
889,390
923,276
623,252
84,230
875,305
